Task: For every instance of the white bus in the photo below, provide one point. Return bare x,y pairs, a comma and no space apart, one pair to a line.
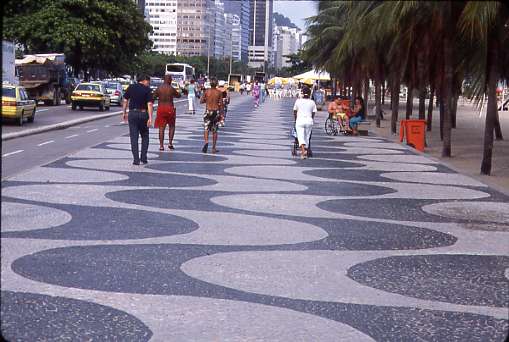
180,72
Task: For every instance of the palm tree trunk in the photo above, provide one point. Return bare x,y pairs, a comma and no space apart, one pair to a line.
409,102
366,94
498,129
454,110
429,120
447,90
491,110
441,110
378,98
422,104
394,104
383,92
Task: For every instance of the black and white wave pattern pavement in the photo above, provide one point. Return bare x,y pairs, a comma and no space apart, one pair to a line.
366,241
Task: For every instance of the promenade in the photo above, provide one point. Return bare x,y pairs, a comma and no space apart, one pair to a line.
366,241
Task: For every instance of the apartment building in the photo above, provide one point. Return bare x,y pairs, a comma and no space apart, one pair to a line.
162,15
242,9
260,43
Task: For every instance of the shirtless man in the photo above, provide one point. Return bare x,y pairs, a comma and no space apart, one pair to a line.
166,113
213,99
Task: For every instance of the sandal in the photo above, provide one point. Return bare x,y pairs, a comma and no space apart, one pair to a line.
171,147
214,150
161,148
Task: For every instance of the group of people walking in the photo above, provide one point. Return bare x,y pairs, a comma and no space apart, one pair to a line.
139,100
138,107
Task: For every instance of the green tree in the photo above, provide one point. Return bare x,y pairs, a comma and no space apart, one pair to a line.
93,34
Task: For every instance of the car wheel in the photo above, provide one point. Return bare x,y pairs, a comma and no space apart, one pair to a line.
81,107
73,106
20,120
32,117
101,107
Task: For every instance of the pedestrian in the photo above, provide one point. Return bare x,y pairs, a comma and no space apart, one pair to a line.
256,94
262,91
226,101
138,98
166,113
248,88
357,115
191,97
213,99
242,88
304,112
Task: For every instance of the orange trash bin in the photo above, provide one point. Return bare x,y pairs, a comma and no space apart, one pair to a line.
415,131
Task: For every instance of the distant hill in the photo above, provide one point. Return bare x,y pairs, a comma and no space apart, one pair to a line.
281,20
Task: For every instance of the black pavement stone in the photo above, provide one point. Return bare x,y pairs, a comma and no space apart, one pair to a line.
197,168
155,269
176,199
459,279
35,317
355,175
344,189
97,223
403,209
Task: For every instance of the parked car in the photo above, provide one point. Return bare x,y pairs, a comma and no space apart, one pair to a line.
155,82
16,105
90,95
114,89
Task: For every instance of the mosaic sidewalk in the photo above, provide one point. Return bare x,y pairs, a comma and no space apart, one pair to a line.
366,241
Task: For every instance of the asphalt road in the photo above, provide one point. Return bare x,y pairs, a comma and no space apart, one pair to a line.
50,115
24,153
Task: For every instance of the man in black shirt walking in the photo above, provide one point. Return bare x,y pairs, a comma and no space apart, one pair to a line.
138,98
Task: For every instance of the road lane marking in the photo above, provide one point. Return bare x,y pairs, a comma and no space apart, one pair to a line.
72,136
106,126
41,110
92,130
11,153
46,142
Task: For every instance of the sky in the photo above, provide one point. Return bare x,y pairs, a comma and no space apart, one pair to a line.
297,11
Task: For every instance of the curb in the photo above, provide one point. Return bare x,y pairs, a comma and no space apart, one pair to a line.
64,124
61,125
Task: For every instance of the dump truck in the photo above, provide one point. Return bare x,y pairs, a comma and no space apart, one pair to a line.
44,77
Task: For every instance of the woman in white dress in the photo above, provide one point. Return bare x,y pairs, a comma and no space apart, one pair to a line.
304,112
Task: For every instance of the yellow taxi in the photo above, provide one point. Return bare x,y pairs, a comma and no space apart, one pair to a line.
90,95
16,104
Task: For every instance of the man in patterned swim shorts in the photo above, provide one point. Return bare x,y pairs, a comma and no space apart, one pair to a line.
213,99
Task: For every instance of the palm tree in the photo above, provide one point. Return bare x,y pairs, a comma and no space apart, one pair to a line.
488,24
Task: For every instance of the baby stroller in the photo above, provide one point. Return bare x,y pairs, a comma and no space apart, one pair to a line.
295,145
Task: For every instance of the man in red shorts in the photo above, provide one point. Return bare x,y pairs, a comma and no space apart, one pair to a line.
166,113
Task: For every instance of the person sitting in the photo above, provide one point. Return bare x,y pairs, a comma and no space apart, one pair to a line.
333,107
357,115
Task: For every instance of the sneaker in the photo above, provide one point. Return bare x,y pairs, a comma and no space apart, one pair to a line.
205,148
144,162
136,163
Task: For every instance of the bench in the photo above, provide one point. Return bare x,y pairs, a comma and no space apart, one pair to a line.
363,127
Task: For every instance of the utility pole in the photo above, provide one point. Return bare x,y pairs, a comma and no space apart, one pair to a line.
208,56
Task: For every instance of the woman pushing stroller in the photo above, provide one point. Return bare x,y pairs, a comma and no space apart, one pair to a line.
304,112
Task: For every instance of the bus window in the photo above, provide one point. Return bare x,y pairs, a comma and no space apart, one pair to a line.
174,68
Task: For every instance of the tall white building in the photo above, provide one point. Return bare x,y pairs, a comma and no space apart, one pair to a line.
233,39
287,41
219,30
162,15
